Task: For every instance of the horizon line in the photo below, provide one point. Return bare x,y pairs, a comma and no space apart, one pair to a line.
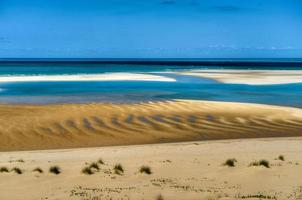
228,62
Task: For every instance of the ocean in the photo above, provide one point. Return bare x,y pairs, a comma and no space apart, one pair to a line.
66,87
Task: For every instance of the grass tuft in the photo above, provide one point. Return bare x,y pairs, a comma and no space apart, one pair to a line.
17,170
100,161
145,169
118,169
87,171
281,157
55,170
92,168
95,166
38,169
262,162
230,162
4,169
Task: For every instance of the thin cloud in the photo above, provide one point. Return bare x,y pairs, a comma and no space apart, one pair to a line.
168,2
4,40
226,8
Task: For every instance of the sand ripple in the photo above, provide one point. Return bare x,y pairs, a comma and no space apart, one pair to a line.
25,127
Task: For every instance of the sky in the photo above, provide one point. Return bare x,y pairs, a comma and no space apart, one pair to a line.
150,29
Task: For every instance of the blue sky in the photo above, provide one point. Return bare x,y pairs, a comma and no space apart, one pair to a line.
151,28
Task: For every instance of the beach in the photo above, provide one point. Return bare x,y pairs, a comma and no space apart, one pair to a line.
122,136
189,170
150,100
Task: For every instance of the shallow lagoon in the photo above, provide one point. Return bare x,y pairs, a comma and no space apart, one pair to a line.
185,87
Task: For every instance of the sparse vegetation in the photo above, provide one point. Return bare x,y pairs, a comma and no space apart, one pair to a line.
38,169
257,196
95,166
262,162
19,160
118,169
17,170
281,157
145,169
92,168
230,162
55,170
87,171
4,169
100,161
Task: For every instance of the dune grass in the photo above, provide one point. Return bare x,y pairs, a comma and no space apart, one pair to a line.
38,169
92,168
118,169
281,157
17,170
145,169
262,162
100,161
87,171
4,169
55,170
94,165
230,162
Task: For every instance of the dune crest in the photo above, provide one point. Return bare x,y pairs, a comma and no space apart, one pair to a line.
27,127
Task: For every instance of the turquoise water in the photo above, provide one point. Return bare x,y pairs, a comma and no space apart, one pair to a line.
185,87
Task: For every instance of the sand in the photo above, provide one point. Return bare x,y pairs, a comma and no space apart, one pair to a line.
249,77
30,127
184,170
190,170
87,77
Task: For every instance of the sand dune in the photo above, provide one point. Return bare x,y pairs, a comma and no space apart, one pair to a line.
25,127
250,77
181,171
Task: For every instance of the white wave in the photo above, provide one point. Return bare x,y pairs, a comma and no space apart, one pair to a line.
87,77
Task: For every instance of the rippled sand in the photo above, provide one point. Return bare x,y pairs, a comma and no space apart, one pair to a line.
26,127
